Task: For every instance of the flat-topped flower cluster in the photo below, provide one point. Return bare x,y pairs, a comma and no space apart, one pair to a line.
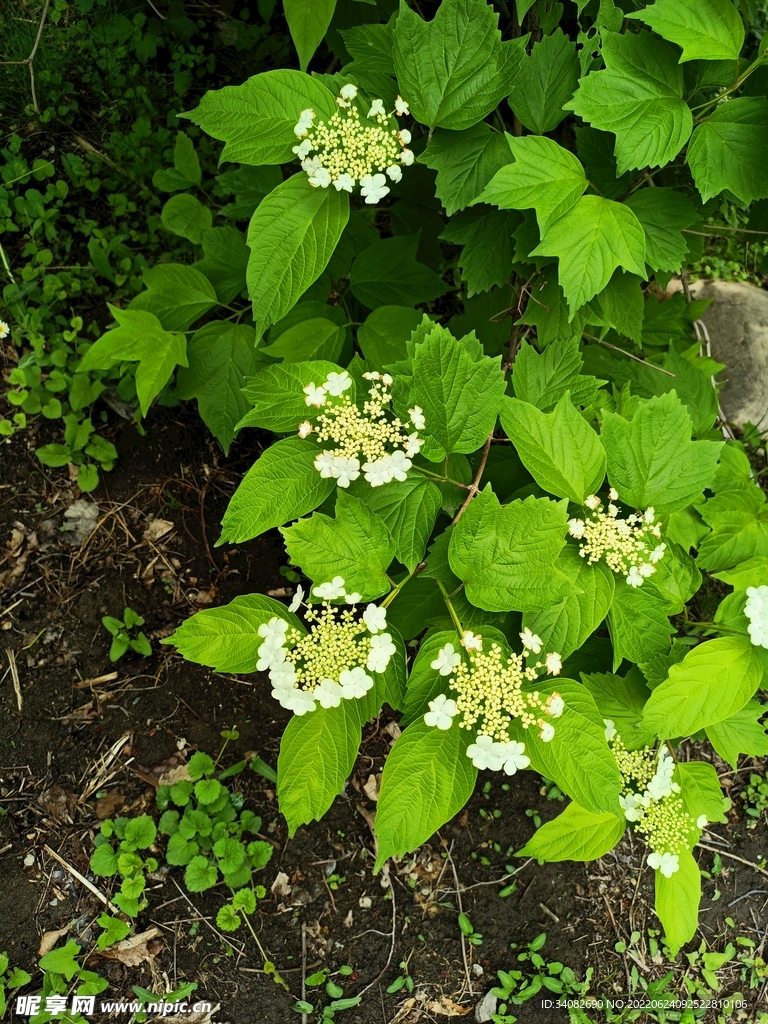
362,440
756,610
347,152
651,801
630,547
489,692
334,660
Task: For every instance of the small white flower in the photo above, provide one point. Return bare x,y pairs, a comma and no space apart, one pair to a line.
353,598
274,627
380,653
282,675
650,514
613,510
592,501
348,91
471,641
404,135
399,464
513,756
328,693
373,188
666,863
576,528
337,383
330,591
325,464
613,494
298,597
756,610
530,640
271,656
298,701
386,379
5,330
379,472
484,753
634,579
394,173
646,569
347,470
306,117
446,661
311,164
303,149
554,705
632,806
377,109
701,821
320,179
305,429
441,712
401,107
372,375
375,618
417,417
547,732
343,103
315,395
413,445
345,182
355,682
610,729
658,552
554,663
407,157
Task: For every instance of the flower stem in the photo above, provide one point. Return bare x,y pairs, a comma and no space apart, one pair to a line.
718,626
440,479
451,609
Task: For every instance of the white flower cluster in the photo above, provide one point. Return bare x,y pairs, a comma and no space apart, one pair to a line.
5,330
756,610
489,687
628,546
347,151
651,802
362,440
331,662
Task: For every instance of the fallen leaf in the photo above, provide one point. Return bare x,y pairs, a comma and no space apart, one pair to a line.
446,1007
157,528
49,940
347,922
58,803
80,520
178,774
370,816
392,729
281,885
136,949
107,805
371,787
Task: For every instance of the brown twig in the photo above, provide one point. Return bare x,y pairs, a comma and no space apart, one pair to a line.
461,911
732,856
475,485
30,60
651,366
81,878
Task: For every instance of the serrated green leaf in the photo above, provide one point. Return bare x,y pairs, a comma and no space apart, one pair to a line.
742,733
542,378
544,177
739,522
385,332
638,97
177,295
750,573
291,236
277,396
282,485
488,251
387,273
200,875
186,216
308,21
621,699
103,860
652,460
256,119
140,831
505,554
590,240
224,262
639,625
700,789
712,683
726,150
547,79
309,340
559,449
664,213
548,312
408,509
181,850
622,304
454,69
575,834
677,901
712,30
371,45
465,162
185,159
227,638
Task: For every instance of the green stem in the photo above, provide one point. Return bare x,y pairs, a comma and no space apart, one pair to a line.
731,89
451,609
397,588
440,479
718,626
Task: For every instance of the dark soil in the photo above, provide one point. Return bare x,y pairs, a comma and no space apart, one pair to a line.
74,727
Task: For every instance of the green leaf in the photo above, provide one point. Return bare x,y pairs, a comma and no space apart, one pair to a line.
488,253
140,831
227,918
208,791
256,119
547,311
186,216
712,683
542,378
638,97
565,626
114,930
739,521
224,262
700,789
544,177
750,573
742,733
622,304
371,45
638,622
291,236
308,21
506,554
677,901
245,899
282,485
185,159
712,30
62,960
221,355
356,545
200,875
385,332
276,393
177,295
465,162
387,273
308,340
454,69
103,860
621,699
427,779
559,449
575,834
408,509
663,213
652,460
547,80
156,366
460,395
726,150
180,850
592,239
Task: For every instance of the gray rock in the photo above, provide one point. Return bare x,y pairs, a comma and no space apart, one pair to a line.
486,1008
737,322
